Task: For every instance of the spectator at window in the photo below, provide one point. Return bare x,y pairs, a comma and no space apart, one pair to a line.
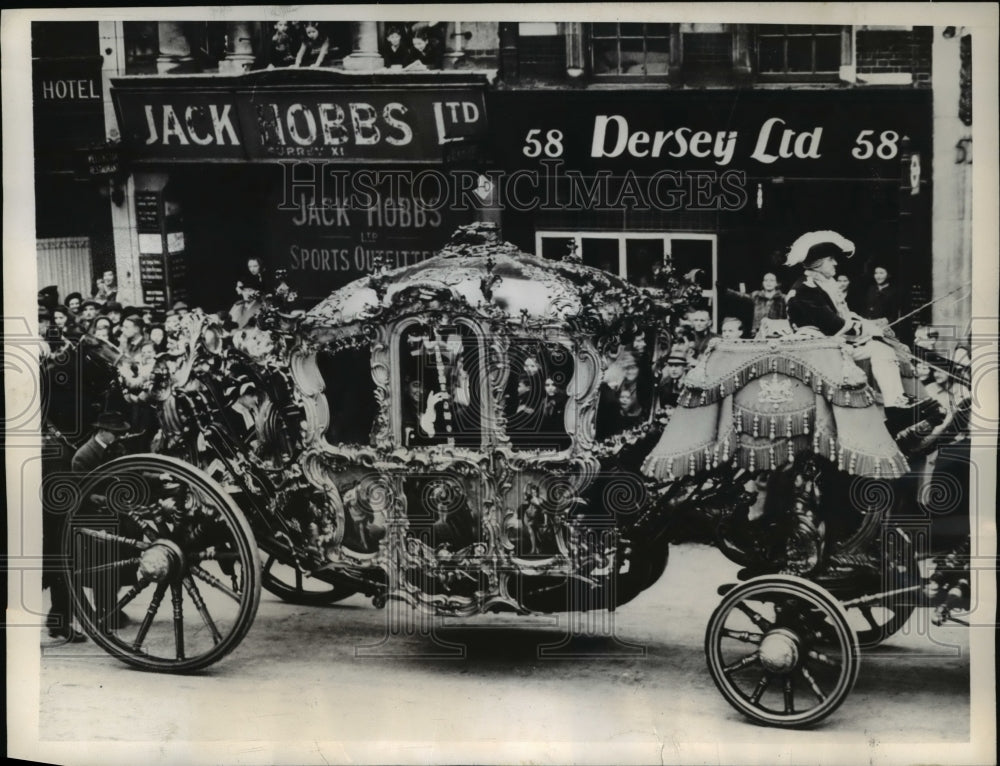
315,47
106,287
396,51
283,45
425,52
881,297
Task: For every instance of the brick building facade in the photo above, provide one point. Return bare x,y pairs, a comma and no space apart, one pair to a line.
889,192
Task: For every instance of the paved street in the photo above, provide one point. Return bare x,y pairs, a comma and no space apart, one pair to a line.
297,676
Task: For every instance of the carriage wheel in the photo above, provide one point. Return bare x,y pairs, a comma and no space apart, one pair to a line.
164,572
781,652
874,623
289,584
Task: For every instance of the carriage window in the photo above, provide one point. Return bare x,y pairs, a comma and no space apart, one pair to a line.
350,394
628,388
536,396
441,386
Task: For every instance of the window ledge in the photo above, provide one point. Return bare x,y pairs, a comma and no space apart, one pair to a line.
885,78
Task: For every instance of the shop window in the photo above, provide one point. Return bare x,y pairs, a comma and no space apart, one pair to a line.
350,395
796,50
636,256
541,49
141,46
441,386
631,50
537,394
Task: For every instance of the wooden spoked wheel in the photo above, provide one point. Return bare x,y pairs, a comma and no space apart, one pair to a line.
875,622
163,569
780,650
289,584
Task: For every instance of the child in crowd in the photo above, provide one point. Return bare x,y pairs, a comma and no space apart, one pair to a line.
284,45
424,53
315,47
395,52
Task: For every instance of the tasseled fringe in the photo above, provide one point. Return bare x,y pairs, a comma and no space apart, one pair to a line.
783,424
840,393
771,455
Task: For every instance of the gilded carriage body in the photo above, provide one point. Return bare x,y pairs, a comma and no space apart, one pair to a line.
513,498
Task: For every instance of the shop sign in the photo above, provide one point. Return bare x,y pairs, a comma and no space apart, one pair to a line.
100,161
188,125
326,244
163,268
385,124
795,133
67,83
68,110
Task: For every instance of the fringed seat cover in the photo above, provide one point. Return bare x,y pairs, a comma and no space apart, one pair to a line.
759,403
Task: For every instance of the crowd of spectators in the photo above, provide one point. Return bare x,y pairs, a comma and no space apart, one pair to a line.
131,328
407,45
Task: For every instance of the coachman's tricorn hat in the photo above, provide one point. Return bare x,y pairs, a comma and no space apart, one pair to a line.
814,246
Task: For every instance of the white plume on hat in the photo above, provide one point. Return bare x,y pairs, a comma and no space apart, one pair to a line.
800,247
